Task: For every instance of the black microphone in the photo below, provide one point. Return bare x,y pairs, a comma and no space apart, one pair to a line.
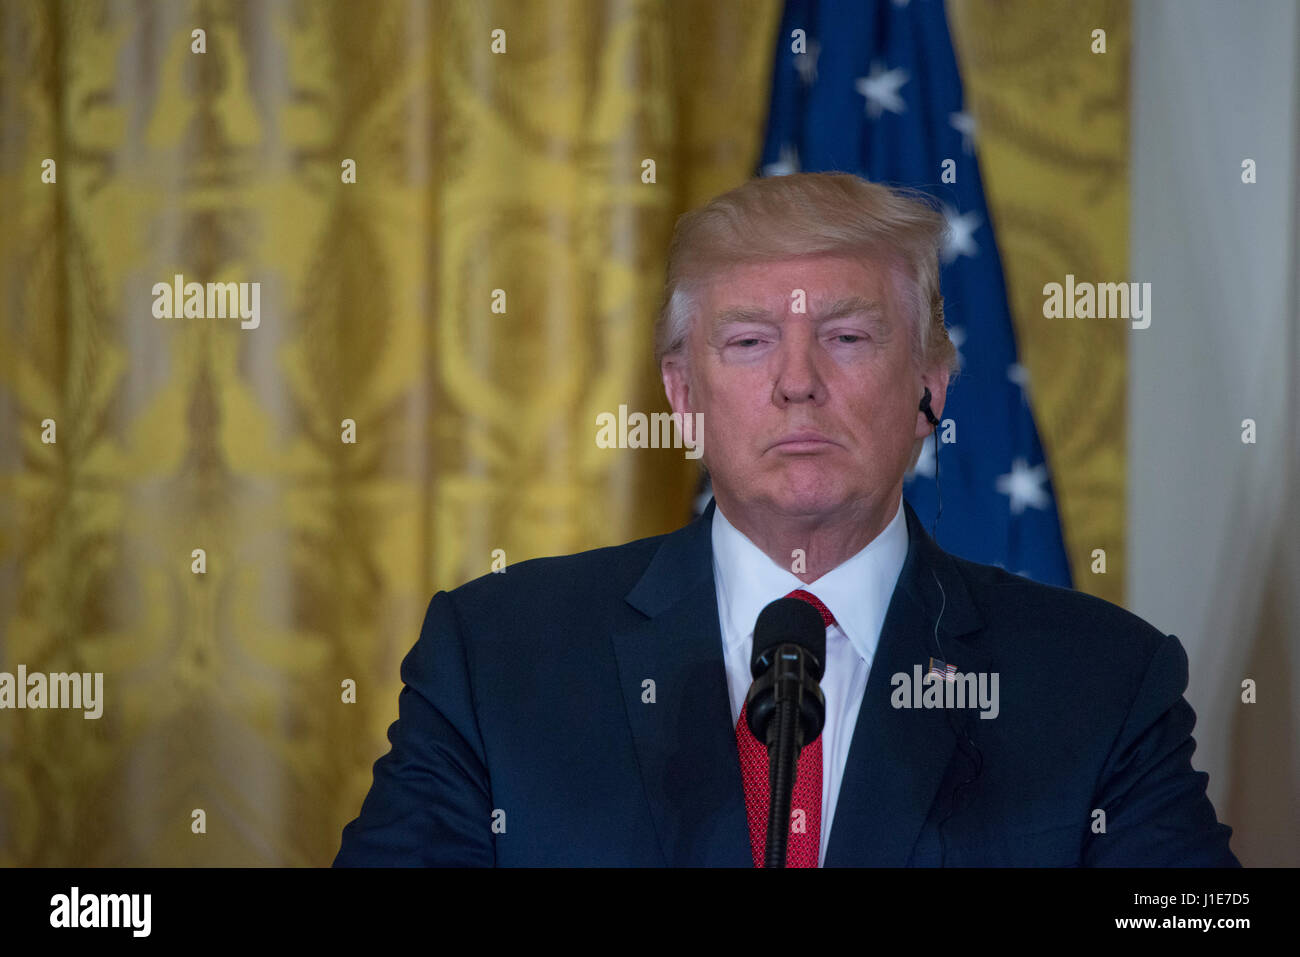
938,490
925,407
785,708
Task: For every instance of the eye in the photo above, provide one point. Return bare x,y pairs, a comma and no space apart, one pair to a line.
848,338
741,342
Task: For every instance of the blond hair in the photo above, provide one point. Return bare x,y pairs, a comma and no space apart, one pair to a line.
806,214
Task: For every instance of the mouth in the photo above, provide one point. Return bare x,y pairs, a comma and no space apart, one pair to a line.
803,442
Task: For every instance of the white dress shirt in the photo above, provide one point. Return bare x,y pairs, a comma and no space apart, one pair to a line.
857,592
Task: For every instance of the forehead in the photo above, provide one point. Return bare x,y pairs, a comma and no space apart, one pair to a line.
822,281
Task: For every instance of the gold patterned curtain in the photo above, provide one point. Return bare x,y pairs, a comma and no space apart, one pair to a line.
458,256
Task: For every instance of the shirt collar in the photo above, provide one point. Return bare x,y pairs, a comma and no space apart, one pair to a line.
857,591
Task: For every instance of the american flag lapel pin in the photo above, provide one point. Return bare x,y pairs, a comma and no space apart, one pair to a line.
942,669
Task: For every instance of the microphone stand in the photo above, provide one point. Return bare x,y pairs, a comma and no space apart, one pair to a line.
784,742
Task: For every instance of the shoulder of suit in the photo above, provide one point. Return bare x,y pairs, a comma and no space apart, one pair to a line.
598,572
1014,603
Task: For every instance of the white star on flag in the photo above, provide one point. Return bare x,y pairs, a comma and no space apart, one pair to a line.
787,162
964,123
957,336
1019,375
1025,486
925,461
702,499
961,233
881,90
806,63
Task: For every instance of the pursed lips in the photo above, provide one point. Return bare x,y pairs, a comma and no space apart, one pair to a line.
803,442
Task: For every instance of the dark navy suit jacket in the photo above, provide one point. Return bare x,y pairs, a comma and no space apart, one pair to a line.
526,734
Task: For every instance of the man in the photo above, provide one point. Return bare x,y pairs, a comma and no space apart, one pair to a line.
587,710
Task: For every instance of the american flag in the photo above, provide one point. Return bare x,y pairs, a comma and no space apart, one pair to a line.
942,670
877,92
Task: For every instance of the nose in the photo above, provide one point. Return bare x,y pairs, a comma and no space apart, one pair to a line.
797,377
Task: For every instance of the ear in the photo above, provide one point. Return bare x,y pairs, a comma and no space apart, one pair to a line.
936,380
676,381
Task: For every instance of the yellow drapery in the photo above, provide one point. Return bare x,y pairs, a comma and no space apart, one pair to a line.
520,169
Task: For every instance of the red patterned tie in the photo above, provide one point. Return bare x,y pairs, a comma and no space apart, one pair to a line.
805,827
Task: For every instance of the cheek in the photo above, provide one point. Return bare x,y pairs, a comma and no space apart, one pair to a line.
736,398
884,423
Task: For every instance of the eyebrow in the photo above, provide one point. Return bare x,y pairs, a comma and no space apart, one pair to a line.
837,310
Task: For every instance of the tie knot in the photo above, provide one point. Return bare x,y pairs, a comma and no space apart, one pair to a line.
827,618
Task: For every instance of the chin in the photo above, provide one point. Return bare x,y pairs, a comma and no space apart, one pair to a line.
817,499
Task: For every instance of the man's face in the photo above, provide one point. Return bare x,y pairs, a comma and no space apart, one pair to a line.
807,413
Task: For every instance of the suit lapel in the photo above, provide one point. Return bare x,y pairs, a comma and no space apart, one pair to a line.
898,756
684,740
